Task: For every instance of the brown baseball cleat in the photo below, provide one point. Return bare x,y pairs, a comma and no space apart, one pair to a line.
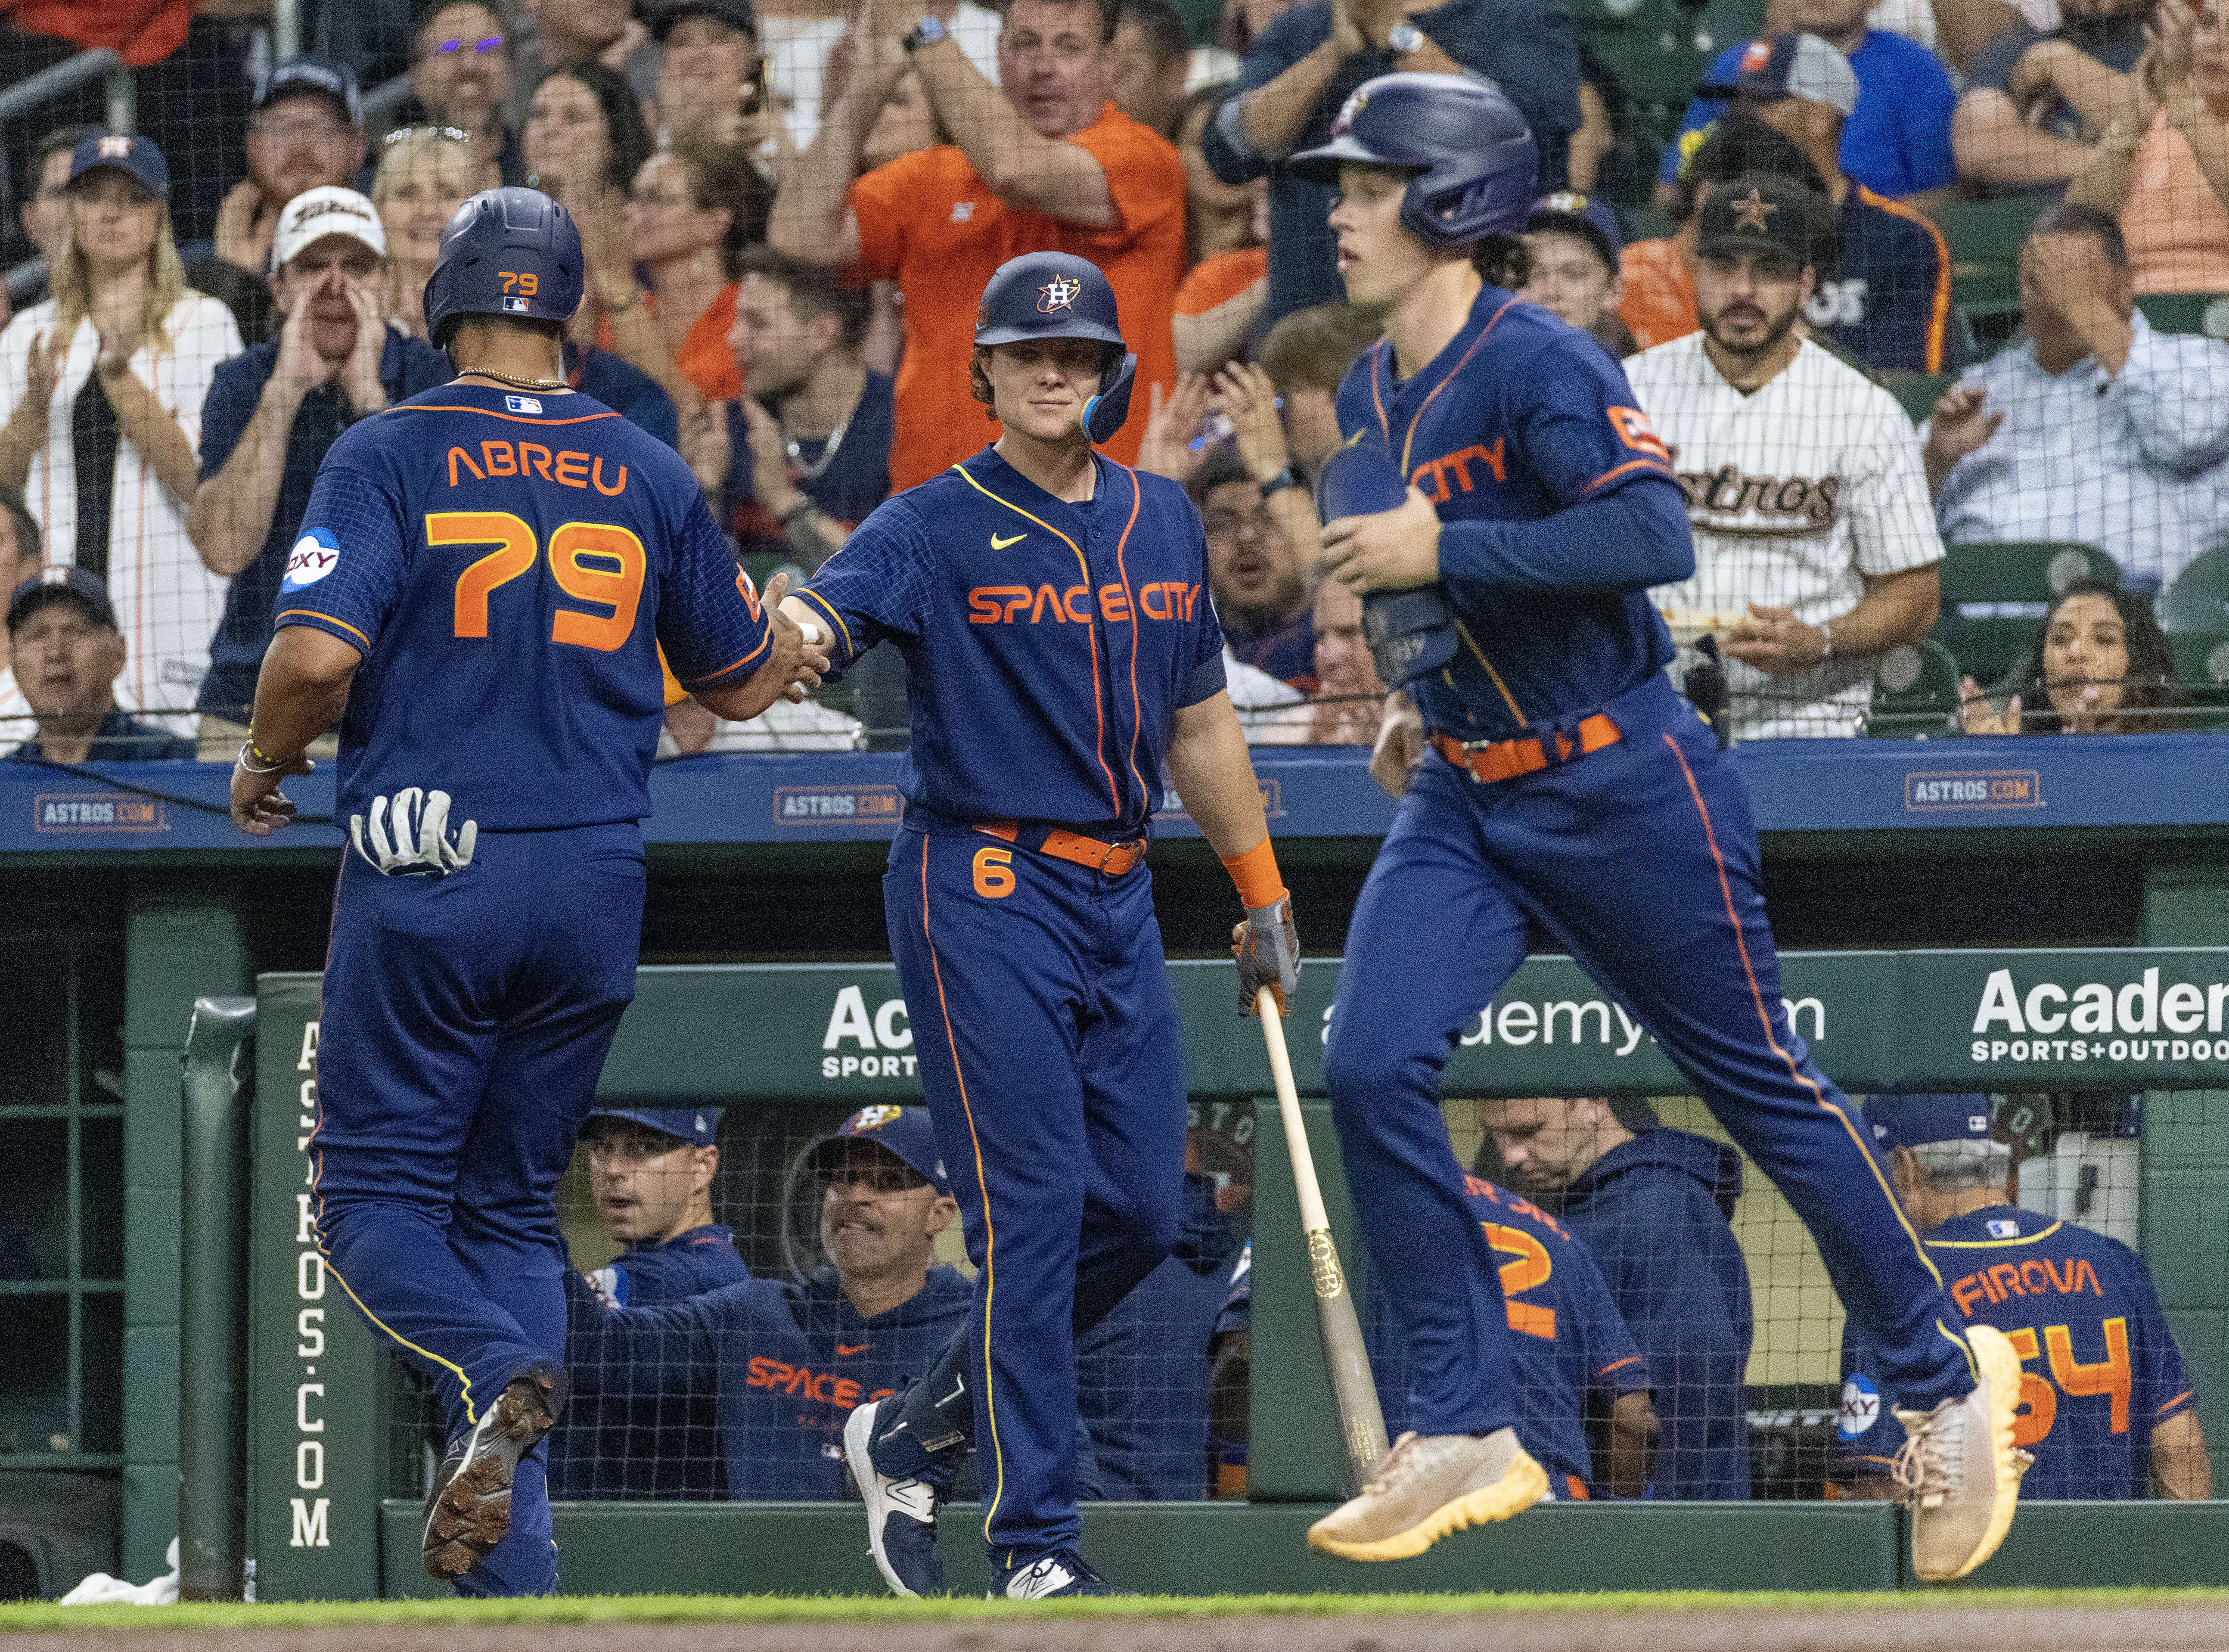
1959,1468
468,1511
1428,1485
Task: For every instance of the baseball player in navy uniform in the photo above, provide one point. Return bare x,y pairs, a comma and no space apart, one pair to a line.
1062,658
651,1171
1571,1354
486,574
2106,1407
1560,783
784,1363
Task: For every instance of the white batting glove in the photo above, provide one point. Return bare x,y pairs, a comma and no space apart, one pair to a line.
402,838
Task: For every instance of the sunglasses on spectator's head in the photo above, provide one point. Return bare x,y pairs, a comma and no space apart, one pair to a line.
453,134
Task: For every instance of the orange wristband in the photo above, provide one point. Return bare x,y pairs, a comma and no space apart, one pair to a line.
1256,874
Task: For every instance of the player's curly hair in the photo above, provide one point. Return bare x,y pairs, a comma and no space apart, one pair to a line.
1502,261
979,377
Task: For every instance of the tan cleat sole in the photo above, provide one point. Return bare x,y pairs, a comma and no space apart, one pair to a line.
1518,1490
1994,1354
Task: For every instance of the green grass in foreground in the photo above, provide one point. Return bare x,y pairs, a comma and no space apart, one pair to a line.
684,1608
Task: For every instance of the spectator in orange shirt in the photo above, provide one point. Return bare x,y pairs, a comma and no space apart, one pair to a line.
1220,299
1043,161
694,211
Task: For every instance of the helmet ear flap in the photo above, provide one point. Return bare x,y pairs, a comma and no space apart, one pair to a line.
1105,413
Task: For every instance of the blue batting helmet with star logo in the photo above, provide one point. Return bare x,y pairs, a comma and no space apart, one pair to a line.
1058,295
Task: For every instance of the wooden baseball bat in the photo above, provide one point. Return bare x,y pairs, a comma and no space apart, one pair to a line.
1361,1424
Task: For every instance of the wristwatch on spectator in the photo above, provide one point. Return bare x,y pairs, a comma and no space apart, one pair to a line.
926,32
1405,37
1284,478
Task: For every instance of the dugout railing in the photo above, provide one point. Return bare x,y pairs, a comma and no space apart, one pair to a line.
317,1518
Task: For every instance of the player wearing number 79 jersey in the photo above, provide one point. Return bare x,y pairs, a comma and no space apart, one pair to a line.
2106,1408
487,576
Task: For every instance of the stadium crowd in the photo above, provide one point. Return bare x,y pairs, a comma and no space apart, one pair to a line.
2005,223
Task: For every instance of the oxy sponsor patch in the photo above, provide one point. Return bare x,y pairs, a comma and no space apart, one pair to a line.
314,556
1861,1406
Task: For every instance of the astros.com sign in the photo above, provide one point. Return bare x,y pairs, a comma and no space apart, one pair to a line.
2141,1021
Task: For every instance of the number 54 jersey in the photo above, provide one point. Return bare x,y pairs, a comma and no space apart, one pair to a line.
509,565
2099,1370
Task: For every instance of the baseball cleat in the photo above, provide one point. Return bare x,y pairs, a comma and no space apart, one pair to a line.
901,1513
1058,1575
468,1511
1959,1468
1428,1485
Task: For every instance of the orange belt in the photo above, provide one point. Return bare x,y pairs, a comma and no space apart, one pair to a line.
1507,759
1109,859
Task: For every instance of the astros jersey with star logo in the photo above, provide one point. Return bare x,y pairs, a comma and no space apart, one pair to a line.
1519,417
1047,645
929,222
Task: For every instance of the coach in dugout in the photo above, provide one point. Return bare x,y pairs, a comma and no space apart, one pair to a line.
1042,161
786,1363
2106,1408
1654,1207
649,1171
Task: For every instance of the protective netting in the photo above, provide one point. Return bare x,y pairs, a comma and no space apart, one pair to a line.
788,213
1673,1331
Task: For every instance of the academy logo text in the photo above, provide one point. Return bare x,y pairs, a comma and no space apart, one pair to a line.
871,1038
2142,1021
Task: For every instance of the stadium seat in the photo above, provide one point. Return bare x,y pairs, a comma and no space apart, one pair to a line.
1915,690
1994,595
1917,393
2197,604
2191,312
1984,238
1651,47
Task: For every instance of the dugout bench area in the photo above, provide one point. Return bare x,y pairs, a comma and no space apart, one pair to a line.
286,1456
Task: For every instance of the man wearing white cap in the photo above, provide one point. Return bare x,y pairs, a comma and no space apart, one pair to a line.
1885,296
272,412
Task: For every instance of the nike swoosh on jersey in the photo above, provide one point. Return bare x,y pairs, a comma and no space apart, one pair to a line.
844,1351
998,543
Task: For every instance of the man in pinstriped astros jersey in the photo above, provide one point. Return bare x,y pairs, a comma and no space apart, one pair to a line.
486,574
1554,781
1060,653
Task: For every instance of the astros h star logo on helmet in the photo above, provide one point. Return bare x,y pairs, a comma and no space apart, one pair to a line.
1058,294
1347,111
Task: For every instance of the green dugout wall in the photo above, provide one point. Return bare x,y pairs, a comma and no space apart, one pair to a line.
2153,1020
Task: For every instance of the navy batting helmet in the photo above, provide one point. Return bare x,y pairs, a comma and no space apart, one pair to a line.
1056,295
508,252
1477,158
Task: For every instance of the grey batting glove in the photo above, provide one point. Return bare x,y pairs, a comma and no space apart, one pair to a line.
1268,947
403,839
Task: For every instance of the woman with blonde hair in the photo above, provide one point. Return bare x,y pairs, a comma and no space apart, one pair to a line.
101,408
425,174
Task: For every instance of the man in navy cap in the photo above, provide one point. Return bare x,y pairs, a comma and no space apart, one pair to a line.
66,653
786,1363
306,132
651,1171
1572,242
2107,1409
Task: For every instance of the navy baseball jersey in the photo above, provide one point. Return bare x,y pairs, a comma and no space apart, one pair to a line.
2099,1370
1047,645
1567,1342
1552,627
872,1357
655,1445
511,655
1887,298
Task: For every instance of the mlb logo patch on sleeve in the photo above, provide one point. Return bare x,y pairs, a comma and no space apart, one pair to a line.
522,403
311,559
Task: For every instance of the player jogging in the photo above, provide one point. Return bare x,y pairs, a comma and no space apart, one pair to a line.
486,575
1062,655
1567,785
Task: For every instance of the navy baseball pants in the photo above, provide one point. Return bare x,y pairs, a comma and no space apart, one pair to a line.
1640,861
465,1024
1051,1060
